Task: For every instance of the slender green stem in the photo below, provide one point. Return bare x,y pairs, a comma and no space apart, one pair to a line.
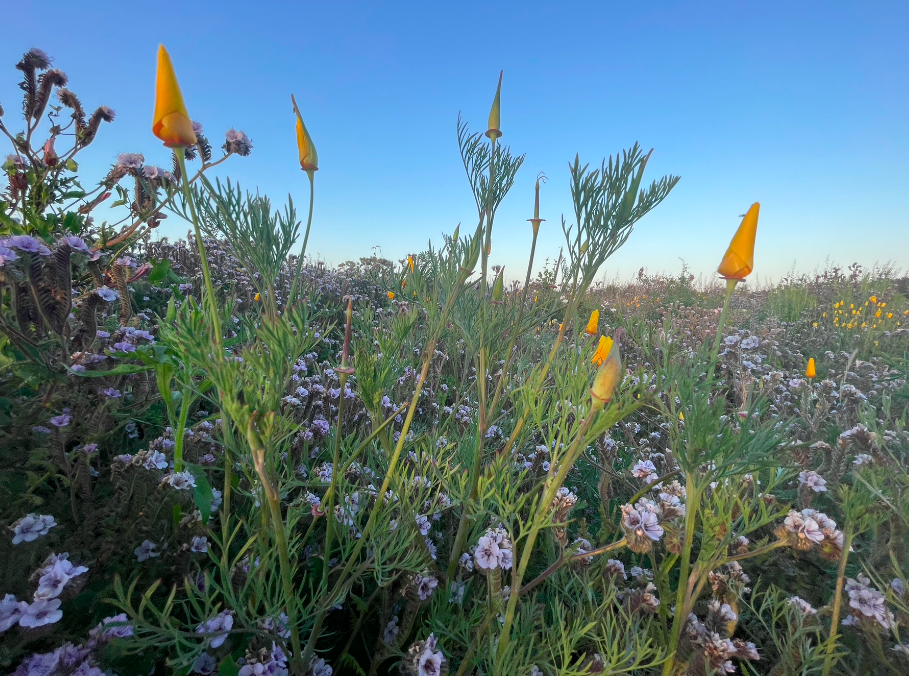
180,154
573,557
691,510
180,429
293,286
730,287
837,600
335,466
286,578
543,508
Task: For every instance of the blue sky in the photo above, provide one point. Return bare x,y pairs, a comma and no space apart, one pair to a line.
802,106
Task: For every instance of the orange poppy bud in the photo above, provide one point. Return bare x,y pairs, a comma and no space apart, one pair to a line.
171,123
391,295
739,259
609,375
810,372
410,262
593,323
602,351
495,115
256,298
309,158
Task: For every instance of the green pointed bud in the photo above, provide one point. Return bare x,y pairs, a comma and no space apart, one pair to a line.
498,288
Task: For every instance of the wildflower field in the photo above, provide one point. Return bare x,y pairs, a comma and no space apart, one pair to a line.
221,457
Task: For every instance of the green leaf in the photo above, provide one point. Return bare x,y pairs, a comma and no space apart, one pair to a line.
72,222
202,493
159,271
176,515
72,165
228,667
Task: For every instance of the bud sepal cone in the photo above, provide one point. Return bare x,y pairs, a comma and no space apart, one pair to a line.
738,262
309,158
171,123
608,375
495,115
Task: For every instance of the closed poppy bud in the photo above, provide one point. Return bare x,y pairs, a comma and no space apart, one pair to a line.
256,298
391,295
810,371
608,376
593,323
457,232
309,158
498,288
410,262
495,115
172,123
602,351
739,259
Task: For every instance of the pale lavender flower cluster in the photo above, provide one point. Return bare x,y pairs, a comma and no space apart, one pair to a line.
866,602
423,658
217,628
53,576
266,662
32,526
493,550
813,481
641,524
811,527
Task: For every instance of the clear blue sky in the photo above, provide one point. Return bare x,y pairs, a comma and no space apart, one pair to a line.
803,106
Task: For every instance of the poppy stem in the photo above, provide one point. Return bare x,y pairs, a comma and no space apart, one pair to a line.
180,154
312,191
730,287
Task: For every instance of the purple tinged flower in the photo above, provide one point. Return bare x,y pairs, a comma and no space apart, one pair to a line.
16,161
642,522
76,243
236,141
320,426
813,480
112,627
40,613
643,469
11,610
26,243
155,460
90,448
200,544
56,577
32,526
123,346
425,586
130,160
487,554
61,420
197,128
803,526
109,392
40,429
109,295
205,664
804,607
146,551
7,254
151,172
182,481
220,625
